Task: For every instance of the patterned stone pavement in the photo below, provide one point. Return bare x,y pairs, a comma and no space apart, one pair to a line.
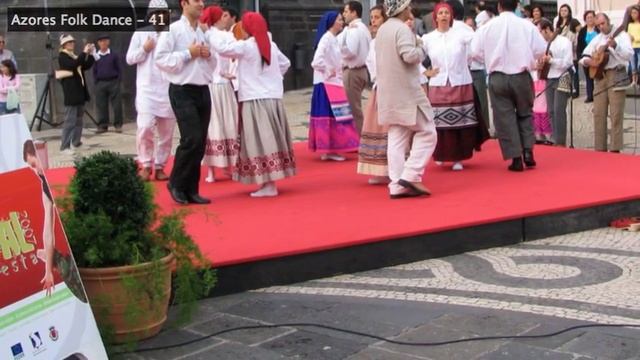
532,288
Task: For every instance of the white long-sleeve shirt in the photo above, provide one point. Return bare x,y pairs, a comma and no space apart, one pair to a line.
448,52
561,51
619,56
174,59
327,61
255,80
152,89
508,44
223,69
354,43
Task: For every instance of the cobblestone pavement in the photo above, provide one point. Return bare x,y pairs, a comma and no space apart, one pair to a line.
528,289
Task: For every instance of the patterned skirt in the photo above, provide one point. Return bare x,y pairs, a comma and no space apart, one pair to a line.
456,118
222,137
266,153
325,133
372,154
541,118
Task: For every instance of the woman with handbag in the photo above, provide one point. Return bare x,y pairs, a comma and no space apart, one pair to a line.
9,84
74,88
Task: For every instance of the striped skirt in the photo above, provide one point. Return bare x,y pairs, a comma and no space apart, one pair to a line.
372,154
325,133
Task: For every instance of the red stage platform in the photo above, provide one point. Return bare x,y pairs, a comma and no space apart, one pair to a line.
328,206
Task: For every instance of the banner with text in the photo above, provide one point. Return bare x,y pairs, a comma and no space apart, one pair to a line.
44,312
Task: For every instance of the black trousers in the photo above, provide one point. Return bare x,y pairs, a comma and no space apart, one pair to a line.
192,107
108,92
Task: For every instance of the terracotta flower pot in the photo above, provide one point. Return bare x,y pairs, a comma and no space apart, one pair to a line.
130,302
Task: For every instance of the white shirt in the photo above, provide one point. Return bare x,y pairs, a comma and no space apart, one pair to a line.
98,54
371,61
174,59
508,44
619,56
327,61
448,52
152,89
482,18
255,80
561,56
354,43
222,73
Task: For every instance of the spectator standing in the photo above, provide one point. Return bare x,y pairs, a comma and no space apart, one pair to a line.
6,54
106,74
9,82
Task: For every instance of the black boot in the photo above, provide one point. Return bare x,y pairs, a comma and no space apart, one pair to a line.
527,155
516,165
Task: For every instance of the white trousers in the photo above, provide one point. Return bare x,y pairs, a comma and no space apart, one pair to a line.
148,152
419,141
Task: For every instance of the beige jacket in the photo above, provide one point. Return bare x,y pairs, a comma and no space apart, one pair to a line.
398,58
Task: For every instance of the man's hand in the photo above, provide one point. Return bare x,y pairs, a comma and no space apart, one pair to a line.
612,43
431,72
194,50
204,51
149,44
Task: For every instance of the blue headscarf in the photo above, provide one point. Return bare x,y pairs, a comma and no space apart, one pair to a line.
326,22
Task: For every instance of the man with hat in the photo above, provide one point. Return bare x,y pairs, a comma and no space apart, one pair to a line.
106,74
402,103
152,101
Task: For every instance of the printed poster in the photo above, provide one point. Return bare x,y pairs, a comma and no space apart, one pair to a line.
44,312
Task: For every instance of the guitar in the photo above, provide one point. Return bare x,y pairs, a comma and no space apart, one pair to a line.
600,56
543,71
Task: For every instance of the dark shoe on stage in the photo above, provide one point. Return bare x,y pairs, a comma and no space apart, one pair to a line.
527,156
615,151
197,199
415,187
404,195
516,165
101,130
160,175
588,100
177,195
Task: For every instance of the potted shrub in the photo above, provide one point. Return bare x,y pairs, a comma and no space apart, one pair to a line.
129,255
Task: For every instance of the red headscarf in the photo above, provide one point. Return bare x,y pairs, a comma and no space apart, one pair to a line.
211,15
255,25
438,7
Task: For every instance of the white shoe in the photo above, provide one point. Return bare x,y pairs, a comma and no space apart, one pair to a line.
68,152
379,180
267,190
209,179
439,163
334,157
457,166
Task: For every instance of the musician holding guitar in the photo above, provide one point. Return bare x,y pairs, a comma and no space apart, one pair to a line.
609,77
558,58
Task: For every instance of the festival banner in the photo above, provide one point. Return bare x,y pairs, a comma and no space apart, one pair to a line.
44,312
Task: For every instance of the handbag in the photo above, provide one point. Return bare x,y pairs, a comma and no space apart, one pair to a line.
564,83
13,100
62,74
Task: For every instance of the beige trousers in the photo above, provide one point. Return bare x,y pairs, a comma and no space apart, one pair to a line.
610,100
355,80
419,141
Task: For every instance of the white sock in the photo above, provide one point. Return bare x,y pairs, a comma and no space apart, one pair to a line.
267,190
210,177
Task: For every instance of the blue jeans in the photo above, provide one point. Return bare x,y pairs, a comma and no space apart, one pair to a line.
3,109
633,64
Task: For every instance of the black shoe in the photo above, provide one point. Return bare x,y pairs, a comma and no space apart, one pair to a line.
588,100
527,156
516,165
197,199
101,130
177,195
615,151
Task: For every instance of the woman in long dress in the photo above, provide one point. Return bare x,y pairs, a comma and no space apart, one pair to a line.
372,154
266,152
222,136
331,127
460,130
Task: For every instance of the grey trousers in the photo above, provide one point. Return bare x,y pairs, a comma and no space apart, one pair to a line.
108,92
355,80
480,84
557,108
512,105
72,127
